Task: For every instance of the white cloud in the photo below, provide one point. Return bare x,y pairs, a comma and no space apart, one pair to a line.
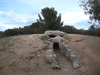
73,17
3,26
15,20
24,18
15,17
8,26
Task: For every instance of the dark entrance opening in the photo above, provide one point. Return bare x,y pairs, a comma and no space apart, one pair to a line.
61,36
52,36
56,46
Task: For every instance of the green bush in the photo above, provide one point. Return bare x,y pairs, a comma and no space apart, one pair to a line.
44,37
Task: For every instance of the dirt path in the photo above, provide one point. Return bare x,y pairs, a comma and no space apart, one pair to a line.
25,55
65,64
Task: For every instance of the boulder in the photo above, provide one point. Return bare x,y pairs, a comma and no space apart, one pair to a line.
55,33
56,39
50,56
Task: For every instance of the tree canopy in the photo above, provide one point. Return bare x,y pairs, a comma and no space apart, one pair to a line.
92,7
50,19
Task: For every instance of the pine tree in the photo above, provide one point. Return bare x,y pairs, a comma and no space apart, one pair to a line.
50,19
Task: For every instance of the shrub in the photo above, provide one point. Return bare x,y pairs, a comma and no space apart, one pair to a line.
44,37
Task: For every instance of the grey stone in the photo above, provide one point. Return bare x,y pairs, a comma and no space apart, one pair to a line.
72,57
69,50
56,66
65,41
38,56
57,32
50,56
45,47
76,65
56,39
21,56
67,54
26,69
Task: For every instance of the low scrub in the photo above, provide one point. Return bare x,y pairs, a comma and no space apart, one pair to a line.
44,37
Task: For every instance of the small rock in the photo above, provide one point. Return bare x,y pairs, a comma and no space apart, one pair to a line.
65,41
26,68
30,44
73,57
13,64
69,50
45,47
39,56
55,66
21,56
78,40
76,65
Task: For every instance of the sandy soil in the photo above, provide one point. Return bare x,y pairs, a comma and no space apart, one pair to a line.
88,49
25,55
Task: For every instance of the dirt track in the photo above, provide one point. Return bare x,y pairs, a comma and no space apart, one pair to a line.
25,55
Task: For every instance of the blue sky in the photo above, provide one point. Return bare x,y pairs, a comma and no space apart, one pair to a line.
20,13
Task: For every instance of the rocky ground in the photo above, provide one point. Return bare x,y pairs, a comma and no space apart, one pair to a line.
25,55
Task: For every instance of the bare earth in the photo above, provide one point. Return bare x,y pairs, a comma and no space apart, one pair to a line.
25,55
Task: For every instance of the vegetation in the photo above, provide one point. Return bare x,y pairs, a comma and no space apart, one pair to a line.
92,7
94,30
50,21
68,29
1,34
18,31
6,42
38,28
44,37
